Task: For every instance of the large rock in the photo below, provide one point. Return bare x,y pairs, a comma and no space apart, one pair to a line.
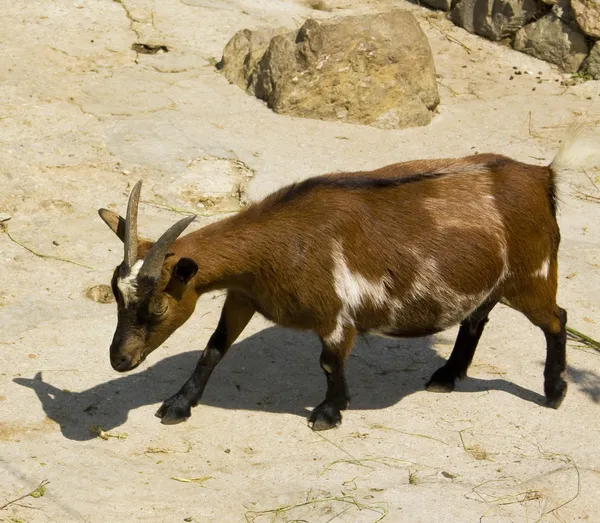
495,19
243,51
444,5
587,14
553,40
593,61
375,70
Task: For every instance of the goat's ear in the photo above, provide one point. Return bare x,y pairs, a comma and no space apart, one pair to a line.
185,269
117,225
114,222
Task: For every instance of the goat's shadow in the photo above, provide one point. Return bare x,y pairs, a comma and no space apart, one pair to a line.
275,370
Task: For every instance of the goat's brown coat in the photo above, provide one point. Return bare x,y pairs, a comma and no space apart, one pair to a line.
486,211
441,244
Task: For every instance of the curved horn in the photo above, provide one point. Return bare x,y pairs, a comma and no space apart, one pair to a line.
154,261
131,237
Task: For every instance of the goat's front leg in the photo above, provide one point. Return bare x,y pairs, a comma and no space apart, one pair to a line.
333,357
235,315
470,332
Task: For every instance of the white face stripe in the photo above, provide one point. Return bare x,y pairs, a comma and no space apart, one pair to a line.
128,285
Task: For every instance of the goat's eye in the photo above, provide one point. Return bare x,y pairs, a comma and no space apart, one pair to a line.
159,307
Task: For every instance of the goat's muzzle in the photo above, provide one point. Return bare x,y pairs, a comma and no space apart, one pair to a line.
125,354
123,363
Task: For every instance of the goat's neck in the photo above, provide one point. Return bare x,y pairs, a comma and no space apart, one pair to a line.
225,253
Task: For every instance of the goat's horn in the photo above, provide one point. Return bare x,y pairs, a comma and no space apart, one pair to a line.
153,262
131,237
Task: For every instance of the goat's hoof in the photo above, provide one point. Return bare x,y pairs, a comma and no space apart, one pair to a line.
555,393
324,417
174,411
440,381
439,386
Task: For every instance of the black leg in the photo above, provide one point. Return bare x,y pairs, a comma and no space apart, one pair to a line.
555,387
235,316
462,354
333,356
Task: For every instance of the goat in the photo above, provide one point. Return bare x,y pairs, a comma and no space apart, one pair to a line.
406,250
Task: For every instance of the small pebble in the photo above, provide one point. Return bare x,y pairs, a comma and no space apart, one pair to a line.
100,294
126,172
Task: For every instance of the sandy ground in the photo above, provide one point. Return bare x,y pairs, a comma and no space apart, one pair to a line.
82,116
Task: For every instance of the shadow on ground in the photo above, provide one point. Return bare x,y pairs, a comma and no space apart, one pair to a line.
587,380
275,370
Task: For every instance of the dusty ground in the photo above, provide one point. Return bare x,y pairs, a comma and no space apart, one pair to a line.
82,116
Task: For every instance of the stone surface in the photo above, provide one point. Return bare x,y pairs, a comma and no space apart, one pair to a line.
82,118
495,19
100,293
592,63
375,70
551,39
444,5
587,14
243,51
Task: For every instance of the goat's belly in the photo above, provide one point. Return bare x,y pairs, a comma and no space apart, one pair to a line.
418,317
390,332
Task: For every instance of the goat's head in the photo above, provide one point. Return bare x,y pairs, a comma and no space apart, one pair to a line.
151,286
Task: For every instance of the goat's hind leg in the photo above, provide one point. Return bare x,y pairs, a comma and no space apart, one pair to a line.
235,315
540,308
327,414
468,337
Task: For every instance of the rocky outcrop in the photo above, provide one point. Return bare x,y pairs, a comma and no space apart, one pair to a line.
374,69
555,41
444,5
593,61
563,32
495,19
243,51
587,14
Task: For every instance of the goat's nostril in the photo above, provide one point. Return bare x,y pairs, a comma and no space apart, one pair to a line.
121,363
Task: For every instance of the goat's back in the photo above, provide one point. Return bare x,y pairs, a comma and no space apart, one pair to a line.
410,248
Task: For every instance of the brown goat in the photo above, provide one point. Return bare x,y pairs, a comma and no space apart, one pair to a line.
406,250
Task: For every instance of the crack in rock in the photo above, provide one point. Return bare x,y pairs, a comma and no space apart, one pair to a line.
149,48
214,183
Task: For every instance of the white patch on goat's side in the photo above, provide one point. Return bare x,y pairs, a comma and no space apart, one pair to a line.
544,270
429,285
353,290
128,285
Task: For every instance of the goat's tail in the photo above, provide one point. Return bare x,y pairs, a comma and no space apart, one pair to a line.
580,148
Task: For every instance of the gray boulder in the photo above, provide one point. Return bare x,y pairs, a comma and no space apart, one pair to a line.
592,64
553,40
444,5
374,70
495,19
